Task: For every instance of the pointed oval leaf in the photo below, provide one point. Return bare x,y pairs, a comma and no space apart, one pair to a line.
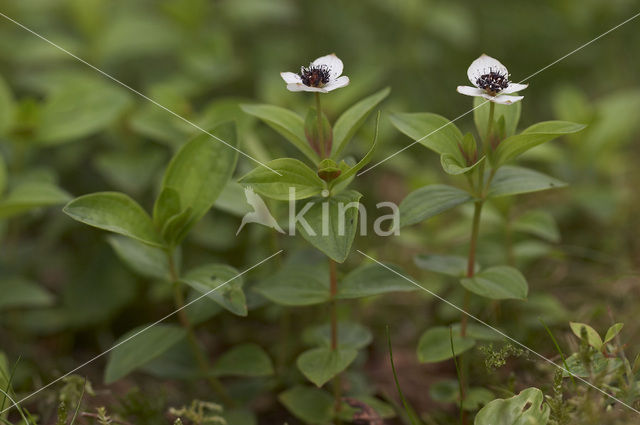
295,175
140,349
429,201
146,260
372,279
200,170
115,212
333,232
433,131
311,405
322,364
593,338
435,344
352,119
31,195
511,180
498,283
244,360
612,332
18,292
296,286
451,265
526,408
79,109
221,283
289,124
537,134
348,174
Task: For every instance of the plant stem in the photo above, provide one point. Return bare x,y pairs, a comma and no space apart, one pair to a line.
323,147
481,194
201,358
475,230
333,291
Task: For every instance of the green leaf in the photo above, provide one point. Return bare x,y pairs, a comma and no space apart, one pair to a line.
167,205
30,195
539,223
479,332
296,286
177,227
334,238
226,279
199,172
311,405
350,335
599,365
511,180
451,265
429,201
289,124
511,114
244,360
316,139
527,408
140,349
346,175
452,165
115,212
322,364
612,332
435,344
433,131
593,338
464,160
144,260
78,110
18,292
498,283
539,133
295,174
352,119
130,172
372,279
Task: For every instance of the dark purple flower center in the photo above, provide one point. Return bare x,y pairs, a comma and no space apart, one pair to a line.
493,82
315,76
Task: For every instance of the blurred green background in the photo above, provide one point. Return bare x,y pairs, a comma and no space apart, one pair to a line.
65,126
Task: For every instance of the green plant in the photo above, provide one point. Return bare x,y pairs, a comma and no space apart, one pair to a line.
489,177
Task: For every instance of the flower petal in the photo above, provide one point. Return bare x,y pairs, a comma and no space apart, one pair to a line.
337,83
503,99
302,87
483,65
332,62
514,87
470,91
290,77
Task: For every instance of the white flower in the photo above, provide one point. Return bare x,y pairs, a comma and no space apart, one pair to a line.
322,75
491,81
